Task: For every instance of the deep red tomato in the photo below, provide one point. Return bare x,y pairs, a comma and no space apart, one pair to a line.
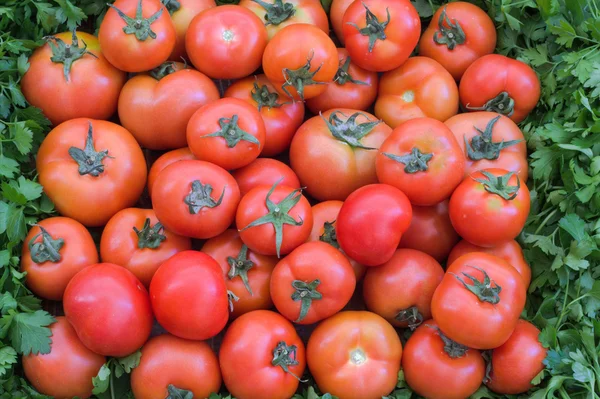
165,160
355,355
182,12
195,199
137,35
491,197
53,252
77,82
193,281
91,169
458,34
479,301
266,172
380,35
171,366
336,15
500,84
371,223
333,154
109,309
272,353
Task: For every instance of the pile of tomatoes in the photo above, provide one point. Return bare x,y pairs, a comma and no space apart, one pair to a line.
367,203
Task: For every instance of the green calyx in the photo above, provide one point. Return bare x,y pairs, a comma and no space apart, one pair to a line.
284,356
175,393
375,29
306,293
414,162
231,298
501,104
200,197
411,315
450,32
232,133
171,5
483,147
46,250
349,131
329,235
452,348
67,54
486,290
264,97
499,185
138,26
300,78
239,267
163,70
88,159
149,236
342,76
277,12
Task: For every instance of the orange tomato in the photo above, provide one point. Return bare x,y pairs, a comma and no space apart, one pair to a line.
165,160
336,15
264,172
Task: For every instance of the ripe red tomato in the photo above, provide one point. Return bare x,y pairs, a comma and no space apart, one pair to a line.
491,197
109,309
137,35
165,160
458,34
171,366
417,273
195,199
336,15
380,35
182,12
479,301
78,74
419,88
272,352
333,154
422,158
264,171
355,355
500,84
91,169
53,252
193,281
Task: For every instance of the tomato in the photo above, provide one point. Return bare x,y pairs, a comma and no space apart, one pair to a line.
275,220
490,140
479,301
190,281
419,88
265,171
262,356
380,35
91,169
491,197
171,366
70,78
182,12
228,132
336,15
55,250
371,223
109,309
417,273
500,84
352,87
165,160
437,367
458,34
281,117
300,60
423,159
156,107
247,274
333,154
355,355
517,361
195,199
137,35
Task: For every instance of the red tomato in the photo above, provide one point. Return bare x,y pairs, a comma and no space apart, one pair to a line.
77,82
355,355
195,199
491,197
266,172
182,12
165,160
419,88
422,158
109,309
56,249
193,281
371,222
500,84
380,35
336,15
479,301
272,353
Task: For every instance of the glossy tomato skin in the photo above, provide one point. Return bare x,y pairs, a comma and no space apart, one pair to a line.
371,223
176,206
266,172
336,15
169,360
253,338
417,273
165,160
421,87
91,91
455,55
417,139
125,51
401,33
182,17
331,168
493,74
355,355
109,309
193,281
470,321
89,199
48,276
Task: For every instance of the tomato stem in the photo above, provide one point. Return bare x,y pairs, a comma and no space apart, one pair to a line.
410,315
67,54
171,5
284,356
482,146
231,298
342,76
149,236
88,159
450,32
200,197
239,267
414,162
176,393
486,291
329,234
349,131
138,26
374,28
300,78
165,69
501,104
499,185
264,97
47,250
452,348
306,293
277,12
232,133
